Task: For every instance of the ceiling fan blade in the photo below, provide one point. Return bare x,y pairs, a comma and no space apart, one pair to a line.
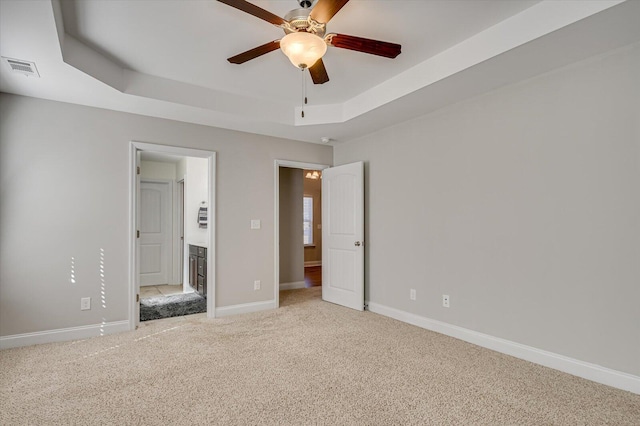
319,72
324,10
254,10
359,44
243,57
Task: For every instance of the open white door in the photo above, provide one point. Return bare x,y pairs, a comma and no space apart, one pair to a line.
343,235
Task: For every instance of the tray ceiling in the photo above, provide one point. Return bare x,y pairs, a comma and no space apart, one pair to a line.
168,58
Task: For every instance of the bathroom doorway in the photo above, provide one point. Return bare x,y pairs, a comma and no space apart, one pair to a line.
173,217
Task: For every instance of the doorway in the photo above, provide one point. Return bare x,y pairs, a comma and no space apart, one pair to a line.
312,227
299,243
160,243
164,292
300,228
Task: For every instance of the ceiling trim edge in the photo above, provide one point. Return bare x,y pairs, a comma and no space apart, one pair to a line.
535,22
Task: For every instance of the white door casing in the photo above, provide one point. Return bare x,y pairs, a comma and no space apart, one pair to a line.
155,232
136,212
180,251
135,147
276,227
343,235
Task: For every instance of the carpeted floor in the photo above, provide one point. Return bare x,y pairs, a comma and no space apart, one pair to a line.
157,307
309,362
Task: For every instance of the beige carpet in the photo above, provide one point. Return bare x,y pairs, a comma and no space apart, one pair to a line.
309,362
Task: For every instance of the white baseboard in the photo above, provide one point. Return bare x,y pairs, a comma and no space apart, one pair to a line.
245,308
292,286
63,334
313,263
593,372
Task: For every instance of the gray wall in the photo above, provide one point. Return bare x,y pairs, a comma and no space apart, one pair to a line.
64,197
291,242
523,205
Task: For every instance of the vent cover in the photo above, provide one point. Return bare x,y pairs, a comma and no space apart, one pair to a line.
22,67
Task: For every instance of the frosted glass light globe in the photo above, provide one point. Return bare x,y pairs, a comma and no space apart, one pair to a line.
303,49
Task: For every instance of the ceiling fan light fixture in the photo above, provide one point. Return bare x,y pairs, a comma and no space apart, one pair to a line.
303,49
313,175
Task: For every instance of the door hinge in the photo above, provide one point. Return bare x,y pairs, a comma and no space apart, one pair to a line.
138,170
138,234
138,298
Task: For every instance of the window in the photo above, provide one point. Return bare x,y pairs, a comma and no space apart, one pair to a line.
307,220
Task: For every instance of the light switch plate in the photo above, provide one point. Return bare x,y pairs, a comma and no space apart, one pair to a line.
255,224
85,303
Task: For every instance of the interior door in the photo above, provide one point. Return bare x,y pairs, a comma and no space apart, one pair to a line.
343,235
155,232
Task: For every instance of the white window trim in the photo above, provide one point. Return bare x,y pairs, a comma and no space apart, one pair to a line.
312,243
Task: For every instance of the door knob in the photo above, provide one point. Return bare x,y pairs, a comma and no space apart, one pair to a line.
357,243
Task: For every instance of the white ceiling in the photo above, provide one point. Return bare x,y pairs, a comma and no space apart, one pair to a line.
168,58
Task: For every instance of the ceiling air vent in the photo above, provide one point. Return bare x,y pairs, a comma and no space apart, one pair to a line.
22,67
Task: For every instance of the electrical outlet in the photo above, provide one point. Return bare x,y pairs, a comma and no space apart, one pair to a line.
445,300
85,304
412,294
256,285
255,224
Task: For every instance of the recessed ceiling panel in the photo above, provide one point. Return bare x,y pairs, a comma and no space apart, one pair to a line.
189,41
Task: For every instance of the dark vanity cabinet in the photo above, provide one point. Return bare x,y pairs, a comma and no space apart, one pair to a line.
198,269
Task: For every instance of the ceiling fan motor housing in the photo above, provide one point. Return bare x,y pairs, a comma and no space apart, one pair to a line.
299,20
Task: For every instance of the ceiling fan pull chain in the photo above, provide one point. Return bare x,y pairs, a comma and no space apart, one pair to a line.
304,95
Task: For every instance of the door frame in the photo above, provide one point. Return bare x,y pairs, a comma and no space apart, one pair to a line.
134,285
276,227
171,238
179,236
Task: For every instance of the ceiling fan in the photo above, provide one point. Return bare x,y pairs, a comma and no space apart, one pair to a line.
305,41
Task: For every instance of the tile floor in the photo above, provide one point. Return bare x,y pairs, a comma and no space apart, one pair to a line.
312,277
160,290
